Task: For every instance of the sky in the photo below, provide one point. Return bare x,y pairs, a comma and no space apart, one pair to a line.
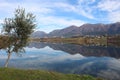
59,14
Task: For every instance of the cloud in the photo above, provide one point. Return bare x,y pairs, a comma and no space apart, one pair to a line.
112,8
57,14
109,5
60,21
77,9
114,16
102,11
1,21
53,22
44,12
85,9
30,7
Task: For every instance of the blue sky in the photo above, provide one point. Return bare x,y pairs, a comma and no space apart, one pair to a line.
58,14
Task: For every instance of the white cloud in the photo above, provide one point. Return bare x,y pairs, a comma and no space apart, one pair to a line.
53,22
30,7
46,11
114,16
60,21
105,10
1,21
78,9
112,7
84,9
109,5
86,1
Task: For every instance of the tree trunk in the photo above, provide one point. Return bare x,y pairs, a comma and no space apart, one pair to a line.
7,61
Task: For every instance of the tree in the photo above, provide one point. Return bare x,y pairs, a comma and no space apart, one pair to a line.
18,30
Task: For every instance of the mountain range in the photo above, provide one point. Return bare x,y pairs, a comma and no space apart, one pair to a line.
83,30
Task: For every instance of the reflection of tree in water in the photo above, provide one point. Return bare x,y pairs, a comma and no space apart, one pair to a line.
98,51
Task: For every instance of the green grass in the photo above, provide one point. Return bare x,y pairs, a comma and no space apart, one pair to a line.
19,74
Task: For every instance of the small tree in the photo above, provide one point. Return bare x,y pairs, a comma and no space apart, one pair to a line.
18,30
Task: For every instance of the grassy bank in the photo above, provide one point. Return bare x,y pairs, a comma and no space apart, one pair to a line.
18,74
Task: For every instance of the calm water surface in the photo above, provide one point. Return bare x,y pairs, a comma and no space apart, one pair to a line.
98,61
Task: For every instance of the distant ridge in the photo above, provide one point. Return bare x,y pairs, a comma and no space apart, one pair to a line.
38,34
85,29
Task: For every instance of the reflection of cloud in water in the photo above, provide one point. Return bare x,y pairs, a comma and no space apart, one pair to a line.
101,67
16,57
114,64
57,60
52,59
113,71
44,55
49,55
109,74
45,49
86,65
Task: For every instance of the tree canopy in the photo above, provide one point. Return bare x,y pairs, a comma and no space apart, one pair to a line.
18,29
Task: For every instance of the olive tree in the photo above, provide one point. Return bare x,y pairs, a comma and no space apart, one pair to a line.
18,29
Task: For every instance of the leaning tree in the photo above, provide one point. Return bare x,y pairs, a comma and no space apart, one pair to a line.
18,29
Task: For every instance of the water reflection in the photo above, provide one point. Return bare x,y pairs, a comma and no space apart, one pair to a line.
100,61
98,51
97,61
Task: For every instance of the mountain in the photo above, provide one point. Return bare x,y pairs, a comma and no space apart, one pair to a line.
66,32
100,29
85,29
93,29
39,34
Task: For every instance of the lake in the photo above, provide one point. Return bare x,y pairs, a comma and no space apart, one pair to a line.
98,61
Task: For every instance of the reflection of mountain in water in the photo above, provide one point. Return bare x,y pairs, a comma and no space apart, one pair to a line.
98,51
36,45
